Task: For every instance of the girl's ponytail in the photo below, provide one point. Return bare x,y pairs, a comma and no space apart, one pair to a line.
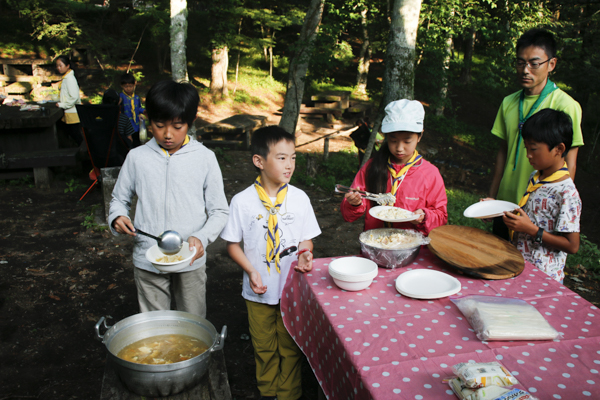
377,173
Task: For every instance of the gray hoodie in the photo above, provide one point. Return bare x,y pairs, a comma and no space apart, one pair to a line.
183,193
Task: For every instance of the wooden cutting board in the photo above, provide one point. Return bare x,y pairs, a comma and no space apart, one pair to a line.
476,252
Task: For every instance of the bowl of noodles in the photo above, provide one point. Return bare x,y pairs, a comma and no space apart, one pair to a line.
390,247
170,263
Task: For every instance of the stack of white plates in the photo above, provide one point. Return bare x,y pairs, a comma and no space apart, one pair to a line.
353,273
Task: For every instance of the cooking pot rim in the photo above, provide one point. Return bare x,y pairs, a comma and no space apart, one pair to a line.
168,315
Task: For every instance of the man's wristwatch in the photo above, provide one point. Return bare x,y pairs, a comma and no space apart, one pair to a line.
538,235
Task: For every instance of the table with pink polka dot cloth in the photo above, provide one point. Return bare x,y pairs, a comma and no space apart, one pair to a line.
378,344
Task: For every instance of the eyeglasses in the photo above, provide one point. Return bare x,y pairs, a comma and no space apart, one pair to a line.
520,64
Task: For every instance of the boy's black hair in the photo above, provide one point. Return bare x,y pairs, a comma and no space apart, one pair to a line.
110,97
171,101
538,38
127,78
551,127
264,138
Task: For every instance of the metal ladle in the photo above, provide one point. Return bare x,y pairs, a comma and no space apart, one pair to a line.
169,242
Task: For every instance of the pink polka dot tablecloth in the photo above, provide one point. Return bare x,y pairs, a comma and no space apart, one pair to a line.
378,344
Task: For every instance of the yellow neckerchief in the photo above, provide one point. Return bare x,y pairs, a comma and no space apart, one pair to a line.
131,99
63,77
273,233
534,184
185,141
398,176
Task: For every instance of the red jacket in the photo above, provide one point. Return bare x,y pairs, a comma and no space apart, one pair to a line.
422,188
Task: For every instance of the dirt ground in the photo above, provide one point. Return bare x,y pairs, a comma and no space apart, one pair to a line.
59,277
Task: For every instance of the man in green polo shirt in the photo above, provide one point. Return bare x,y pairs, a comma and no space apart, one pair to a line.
536,58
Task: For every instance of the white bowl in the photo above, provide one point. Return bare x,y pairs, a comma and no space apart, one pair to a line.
353,273
154,253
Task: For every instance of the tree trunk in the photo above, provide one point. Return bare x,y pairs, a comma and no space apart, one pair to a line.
299,66
237,71
237,64
364,58
159,60
444,88
178,38
465,73
271,61
399,75
262,31
218,72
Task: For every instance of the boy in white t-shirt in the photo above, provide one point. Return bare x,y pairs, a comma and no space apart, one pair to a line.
546,227
275,220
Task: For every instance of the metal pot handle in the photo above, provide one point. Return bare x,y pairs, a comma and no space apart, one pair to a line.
97,327
220,343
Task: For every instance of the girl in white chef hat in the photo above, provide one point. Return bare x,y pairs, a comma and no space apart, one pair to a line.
399,169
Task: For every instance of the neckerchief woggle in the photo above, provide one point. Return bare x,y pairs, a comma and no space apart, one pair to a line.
132,99
63,77
534,184
549,88
398,177
185,141
273,243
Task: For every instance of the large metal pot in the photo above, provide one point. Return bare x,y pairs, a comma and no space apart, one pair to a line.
160,380
391,258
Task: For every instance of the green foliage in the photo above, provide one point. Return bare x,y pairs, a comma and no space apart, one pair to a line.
24,181
89,220
222,155
241,96
259,79
450,129
73,185
588,256
458,201
95,98
340,167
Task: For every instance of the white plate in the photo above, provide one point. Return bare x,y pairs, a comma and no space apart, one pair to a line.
374,211
489,209
427,284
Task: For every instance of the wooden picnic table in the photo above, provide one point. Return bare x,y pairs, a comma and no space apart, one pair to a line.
28,130
29,140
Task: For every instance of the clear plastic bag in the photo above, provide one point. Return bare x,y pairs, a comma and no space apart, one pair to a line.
380,246
143,131
502,318
478,375
487,393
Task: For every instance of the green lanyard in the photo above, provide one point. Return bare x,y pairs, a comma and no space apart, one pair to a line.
549,88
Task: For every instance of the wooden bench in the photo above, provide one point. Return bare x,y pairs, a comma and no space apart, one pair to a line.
330,103
234,131
17,69
360,110
332,99
40,161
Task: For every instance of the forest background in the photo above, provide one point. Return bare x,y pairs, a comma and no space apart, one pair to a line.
462,49
461,45
458,42
463,66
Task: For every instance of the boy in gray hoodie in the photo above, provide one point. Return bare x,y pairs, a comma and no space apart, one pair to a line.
179,187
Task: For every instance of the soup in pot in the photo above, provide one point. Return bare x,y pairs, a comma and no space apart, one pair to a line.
163,349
